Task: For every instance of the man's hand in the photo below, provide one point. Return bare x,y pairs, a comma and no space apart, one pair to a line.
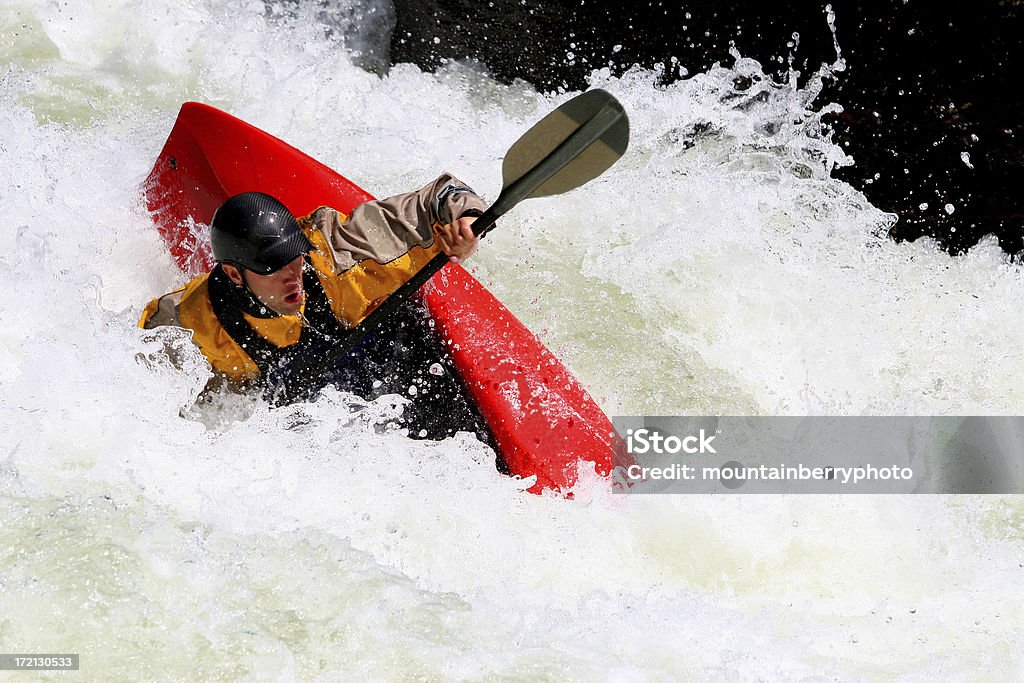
457,238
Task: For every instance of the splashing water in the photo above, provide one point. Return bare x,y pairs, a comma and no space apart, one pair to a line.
718,268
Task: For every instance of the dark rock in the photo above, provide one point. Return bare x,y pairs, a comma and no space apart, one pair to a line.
925,83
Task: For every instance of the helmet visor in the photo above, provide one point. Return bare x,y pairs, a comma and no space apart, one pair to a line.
280,254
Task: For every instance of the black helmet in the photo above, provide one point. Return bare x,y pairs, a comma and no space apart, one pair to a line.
257,232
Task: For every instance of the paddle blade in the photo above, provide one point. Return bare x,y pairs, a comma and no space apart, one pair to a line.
570,146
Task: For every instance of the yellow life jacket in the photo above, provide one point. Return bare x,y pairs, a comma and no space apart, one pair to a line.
352,294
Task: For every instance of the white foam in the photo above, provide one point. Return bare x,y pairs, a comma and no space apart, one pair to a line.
717,269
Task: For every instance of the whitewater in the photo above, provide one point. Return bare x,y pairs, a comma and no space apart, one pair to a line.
717,269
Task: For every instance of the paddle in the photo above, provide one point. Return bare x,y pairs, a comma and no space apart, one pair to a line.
572,145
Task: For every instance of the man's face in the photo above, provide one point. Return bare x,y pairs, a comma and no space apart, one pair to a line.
281,291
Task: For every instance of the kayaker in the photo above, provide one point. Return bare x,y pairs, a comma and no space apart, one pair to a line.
284,288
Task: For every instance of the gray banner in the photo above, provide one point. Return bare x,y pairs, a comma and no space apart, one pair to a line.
32,662
674,454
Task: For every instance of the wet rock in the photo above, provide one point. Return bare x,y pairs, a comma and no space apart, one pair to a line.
932,93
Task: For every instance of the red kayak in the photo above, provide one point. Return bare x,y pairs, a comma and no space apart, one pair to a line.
542,420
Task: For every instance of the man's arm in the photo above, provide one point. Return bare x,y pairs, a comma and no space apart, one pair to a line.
162,311
384,229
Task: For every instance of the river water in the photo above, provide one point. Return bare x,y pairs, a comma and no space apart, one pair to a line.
718,268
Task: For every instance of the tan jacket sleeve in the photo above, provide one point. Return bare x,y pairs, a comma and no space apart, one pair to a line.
384,229
162,311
